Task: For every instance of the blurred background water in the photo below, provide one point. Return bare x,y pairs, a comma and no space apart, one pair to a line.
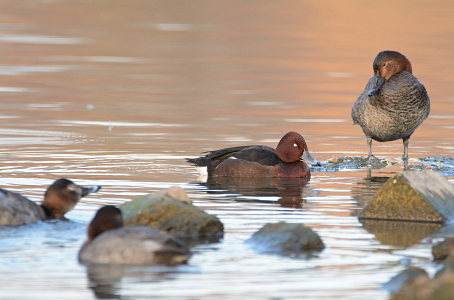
117,93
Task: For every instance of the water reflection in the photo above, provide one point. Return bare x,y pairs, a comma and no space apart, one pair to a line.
105,279
394,233
400,233
288,191
364,190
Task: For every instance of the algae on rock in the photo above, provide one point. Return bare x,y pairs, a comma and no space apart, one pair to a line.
171,211
424,196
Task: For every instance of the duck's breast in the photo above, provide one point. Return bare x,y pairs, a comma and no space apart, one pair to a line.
396,111
15,209
292,170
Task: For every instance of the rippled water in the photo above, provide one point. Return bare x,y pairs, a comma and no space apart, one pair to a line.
119,93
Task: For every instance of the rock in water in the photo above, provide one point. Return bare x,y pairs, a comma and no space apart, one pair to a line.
443,249
171,211
424,196
407,276
285,238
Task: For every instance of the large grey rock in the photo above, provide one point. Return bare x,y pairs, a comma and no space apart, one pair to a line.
285,238
424,196
171,211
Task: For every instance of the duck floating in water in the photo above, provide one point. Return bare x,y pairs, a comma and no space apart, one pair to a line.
60,197
393,104
110,243
260,161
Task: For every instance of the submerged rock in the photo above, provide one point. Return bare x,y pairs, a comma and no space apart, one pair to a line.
442,249
171,211
285,238
443,165
407,276
424,196
348,162
424,288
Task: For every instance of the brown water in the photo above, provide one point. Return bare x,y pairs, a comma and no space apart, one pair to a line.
117,93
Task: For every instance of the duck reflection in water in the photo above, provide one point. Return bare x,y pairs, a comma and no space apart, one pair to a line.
105,280
290,191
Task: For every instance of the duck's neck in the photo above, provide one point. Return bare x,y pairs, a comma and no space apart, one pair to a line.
52,213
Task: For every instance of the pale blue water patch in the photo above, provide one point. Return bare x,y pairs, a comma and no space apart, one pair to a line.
173,27
41,39
10,70
339,74
58,106
9,117
315,120
98,59
113,124
264,103
6,89
235,139
17,141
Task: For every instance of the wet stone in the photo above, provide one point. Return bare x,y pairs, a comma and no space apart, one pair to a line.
286,239
442,249
424,288
443,165
348,162
424,196
407,276
171,211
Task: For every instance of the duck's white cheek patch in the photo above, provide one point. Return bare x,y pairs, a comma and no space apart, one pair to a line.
151,245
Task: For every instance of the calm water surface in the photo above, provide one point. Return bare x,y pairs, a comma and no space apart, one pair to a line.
117,93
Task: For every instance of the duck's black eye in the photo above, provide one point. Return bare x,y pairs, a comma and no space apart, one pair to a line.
383,64
295,145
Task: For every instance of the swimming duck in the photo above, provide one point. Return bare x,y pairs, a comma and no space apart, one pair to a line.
60,197
393,104
260,161
109,242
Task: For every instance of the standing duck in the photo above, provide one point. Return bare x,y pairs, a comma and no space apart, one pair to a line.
60,197
110,243
393,104
260,161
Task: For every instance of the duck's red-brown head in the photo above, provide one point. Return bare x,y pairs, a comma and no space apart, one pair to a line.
292,148
107,218
386,64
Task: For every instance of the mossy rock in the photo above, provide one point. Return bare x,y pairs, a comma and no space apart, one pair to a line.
424,196
285,238
171,211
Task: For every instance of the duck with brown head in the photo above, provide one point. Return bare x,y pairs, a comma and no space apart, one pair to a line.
59,198
260,161
393,104
108,242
